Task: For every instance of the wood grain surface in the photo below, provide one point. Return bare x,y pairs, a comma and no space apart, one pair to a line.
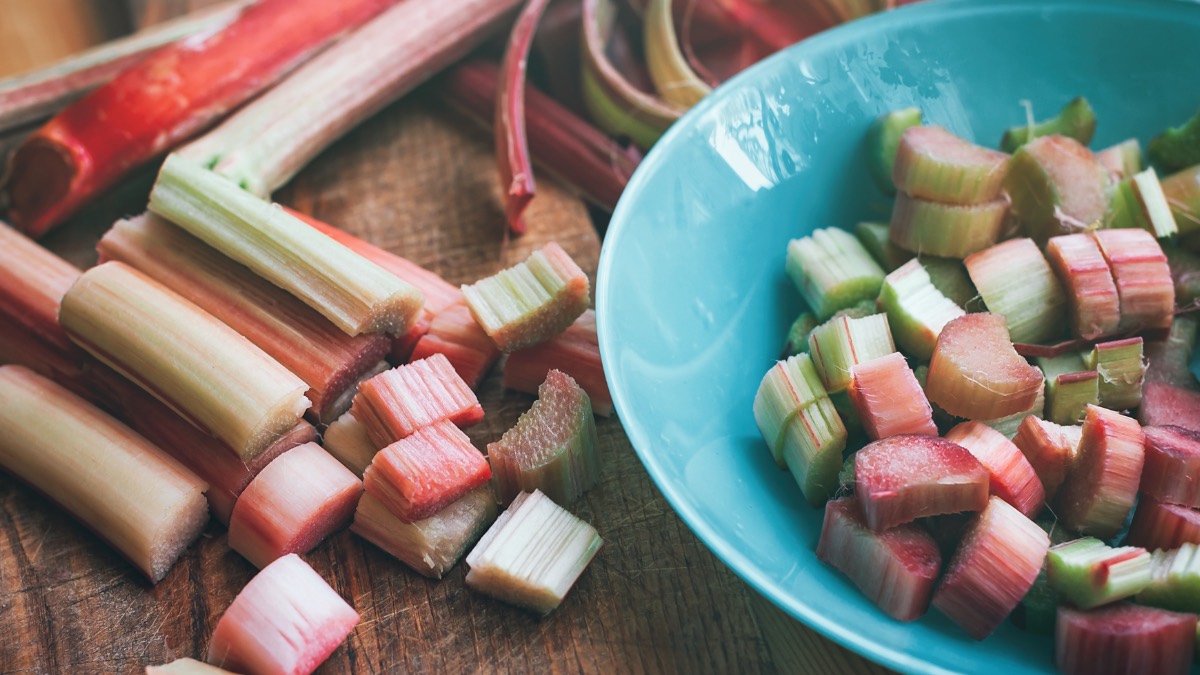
419,180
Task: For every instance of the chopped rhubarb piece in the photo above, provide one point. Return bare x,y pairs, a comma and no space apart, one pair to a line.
532,554
1148,205
296,335
1175,580
403,345
1009,424
398,402
1101,487
455,334
832,271
430,546
1177,147
1076,120
842,342
423,473
896,569
286,620
916,310
1124,639
1172,465
123,488
186,667
530,302
1092,295
811,448
1012,478
201,368
946,230
1090,574
1170,360
934,164
292,505
1143,278
1017,283
576,352
902,478
888,398
994,567
552,448
1164,404
1121,370
1182,191
355,294
1050,448
975,372
34,281
1057,187
1160,525
791,386
1069,395
883,140
347,440
163,99
1123,159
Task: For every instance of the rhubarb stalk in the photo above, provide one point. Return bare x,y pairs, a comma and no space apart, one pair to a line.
119,485
197,365
264,144
165,99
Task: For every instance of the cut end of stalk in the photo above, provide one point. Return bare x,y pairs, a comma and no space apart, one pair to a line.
1011,476
423,473
832,271
975,373
1051,450
1016,282
902,478
1100,489
552,448
1057,187
1089,574
946,230
40,176
842,342
433,545
888,398
936,165
396,403
1122,371
533,554
916,310
347,440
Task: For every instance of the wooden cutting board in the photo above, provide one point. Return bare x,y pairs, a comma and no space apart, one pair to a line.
419,180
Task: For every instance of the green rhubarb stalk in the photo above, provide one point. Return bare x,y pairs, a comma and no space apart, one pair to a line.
1016,282
832,271
1122,371
1069,395
1177,147
916,310
355,294
946,230
790,386
1089,574
1174,580
1076,120
843,342
874,237
798,332
883,138
673,77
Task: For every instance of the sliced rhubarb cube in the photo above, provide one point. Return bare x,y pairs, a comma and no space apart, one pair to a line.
552,448
398,402
1122,372
975,372
1164,404
286,620
888,398
530,302
533,554
423,473
1068,396
1124,639
433,545
995,566
1011,477
946,230
1016,282
1090,574
916,309
934,164
1171,473
902,478
1160,525
843,341
789,387
295,502
1175,580
1092,296
455,334
575,352
832,271
896,569
1097,494
1057,187
1050,448
1144,285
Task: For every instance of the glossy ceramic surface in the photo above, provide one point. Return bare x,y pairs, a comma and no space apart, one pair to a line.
692,296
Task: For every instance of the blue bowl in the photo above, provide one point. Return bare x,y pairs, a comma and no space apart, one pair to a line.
693,300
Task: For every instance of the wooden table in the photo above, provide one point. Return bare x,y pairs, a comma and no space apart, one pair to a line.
419,180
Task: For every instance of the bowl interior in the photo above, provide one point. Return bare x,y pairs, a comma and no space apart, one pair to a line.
693,300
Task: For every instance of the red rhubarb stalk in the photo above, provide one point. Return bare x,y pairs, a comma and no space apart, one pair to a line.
575,351
561,142
455,334
165,99
512,144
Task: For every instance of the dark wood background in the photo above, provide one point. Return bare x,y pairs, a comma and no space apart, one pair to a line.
419,180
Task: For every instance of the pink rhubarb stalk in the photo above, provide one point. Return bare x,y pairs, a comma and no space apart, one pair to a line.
455,334
512,145
1097,494
576,352
420,475
399,402
164,99
1159,525
1012,476
1172,465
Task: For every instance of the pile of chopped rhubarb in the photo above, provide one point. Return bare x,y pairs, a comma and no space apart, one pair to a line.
1020,429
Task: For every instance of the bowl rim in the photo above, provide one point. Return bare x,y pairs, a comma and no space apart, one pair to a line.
729,555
